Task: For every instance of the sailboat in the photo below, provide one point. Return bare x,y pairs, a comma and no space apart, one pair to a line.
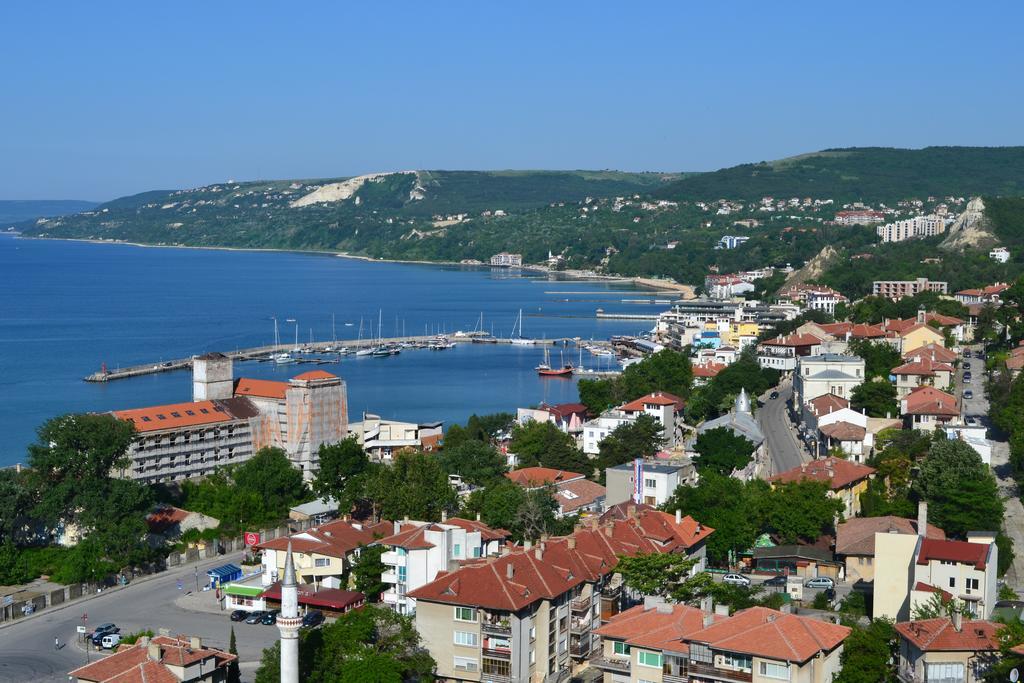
279,358
545,369
366,351
518,338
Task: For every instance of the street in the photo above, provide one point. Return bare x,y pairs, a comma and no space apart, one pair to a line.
784,450
27,646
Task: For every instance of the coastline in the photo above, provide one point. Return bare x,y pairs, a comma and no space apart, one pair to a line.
687,291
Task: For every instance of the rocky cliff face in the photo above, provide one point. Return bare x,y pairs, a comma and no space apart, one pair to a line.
970,230
814,268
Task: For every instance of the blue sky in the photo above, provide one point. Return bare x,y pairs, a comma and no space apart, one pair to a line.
106,99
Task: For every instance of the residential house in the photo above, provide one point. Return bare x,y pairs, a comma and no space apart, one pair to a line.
936,353
568,417
1015,361
1000,254
726,286
826,373
927,408
595,431
324,553
662,406
381,438
761,644
922,371
644,643
528,614
796,559
783,353
659,479
835,425
573,492
705,372
165,659
986,295
945,649
170,522
846,480
418,551
855,542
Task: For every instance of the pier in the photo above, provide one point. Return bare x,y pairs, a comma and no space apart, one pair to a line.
263,353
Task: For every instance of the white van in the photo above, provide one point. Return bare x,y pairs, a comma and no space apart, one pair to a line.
110,641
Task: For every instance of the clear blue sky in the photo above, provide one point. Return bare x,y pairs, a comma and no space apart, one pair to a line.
105,99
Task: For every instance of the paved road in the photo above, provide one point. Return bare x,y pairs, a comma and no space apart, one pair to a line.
784,450
27,650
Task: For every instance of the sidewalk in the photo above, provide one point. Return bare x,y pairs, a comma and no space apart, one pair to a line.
1013,519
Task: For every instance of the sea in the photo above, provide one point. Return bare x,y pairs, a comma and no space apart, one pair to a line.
67,308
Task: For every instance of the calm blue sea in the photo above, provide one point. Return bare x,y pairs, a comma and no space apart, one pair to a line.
68,307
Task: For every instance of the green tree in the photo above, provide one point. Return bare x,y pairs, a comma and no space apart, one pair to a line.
544,444
716,396
722,451
414,486
234,674
475,461
939,606
497,504
638,439
877,397
879,357
662,574
802,511
869,654
536,514
339,462
962,493
1010,634
666,370
729,506
367,570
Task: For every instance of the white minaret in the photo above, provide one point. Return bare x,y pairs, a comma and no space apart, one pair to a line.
288,621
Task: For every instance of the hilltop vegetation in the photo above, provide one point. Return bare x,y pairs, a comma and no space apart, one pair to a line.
17,210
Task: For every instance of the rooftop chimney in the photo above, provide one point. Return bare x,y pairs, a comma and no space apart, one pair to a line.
444,516
539,552
527,544
631,511
679,516
608,531
510,571
922,519
195,642
478,516
571,542
153,650
958,621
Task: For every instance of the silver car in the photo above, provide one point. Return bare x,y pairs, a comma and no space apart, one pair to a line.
820,582
736,580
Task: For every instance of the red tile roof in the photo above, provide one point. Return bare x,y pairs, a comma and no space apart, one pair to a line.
838,473
261,388
922,586
334,539
334,599
414,537
167,516
856,536
764,632
962,552
930,401
828,403
793,340
935,352
939,635
855,331
176,415
579,493
708,369
486,532
132,664
844,431
658,398
924,367
513,581
540,476
656,627
314,375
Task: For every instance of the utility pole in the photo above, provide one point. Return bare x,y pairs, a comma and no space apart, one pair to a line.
197,578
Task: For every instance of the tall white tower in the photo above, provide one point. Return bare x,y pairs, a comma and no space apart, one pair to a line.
288,622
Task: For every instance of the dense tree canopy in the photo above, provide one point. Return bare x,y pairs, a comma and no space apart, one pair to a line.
877,397
524,514
879,357
665,370
716,397
414,485
639,439
367,571
801,511
869,653
722,451
730,506
475,461
961,492
339,462
481,428
543,444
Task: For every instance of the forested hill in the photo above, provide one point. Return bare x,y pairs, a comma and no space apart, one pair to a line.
867,174
17,210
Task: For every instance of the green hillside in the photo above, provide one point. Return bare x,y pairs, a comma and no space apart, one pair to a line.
17,210
869,174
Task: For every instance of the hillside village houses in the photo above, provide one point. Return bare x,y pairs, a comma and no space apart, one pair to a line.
574,494
665,408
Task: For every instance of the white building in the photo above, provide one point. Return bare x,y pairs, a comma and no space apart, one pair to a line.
910,228
417,551
662,406
505,259
731,241
594,431
381,438
1000,254
659,480
826,373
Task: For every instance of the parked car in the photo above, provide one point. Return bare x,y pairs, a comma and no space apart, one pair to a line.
820,582
239,615
971,421
777,581
967,378
270,618
103,630
968,394
736,580
312,618
967,366
255,617
774,395
110,641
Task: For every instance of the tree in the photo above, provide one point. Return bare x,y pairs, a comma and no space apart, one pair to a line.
414,486
376,645
802,511
877,397
869,653
481,428
338,463
962,493
939,606
234,674
1010,635
663,574
16,502
722,451
717,396
475,461
727,505
542,443
367,570
638,439
270,476
535,514
665,370
497,504
879,357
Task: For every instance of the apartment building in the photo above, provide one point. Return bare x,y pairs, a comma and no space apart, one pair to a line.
658,480
322,553
726,286
834,424
381,438
855,542
911,228
826,373
568,417
527,615
950,649
731,241
922,371
418,551
782,353
897,289
507,260
163,658
859,217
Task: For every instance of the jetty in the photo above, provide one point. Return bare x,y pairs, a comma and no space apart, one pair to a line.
309,354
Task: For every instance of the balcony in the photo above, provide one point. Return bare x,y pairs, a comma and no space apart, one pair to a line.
577,626
389,577
499,627
708,671
673,678
393,558
580,604
611,664
497,653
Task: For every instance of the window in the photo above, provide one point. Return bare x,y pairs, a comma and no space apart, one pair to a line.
401,574
773,670
650,483
533,633
972,584
457,550
649,659
620,648
952,582
945,672
465,638
465,664
322,562
743,662
533,656
497,667
465,614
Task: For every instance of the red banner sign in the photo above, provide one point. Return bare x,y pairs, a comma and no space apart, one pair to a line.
252,537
